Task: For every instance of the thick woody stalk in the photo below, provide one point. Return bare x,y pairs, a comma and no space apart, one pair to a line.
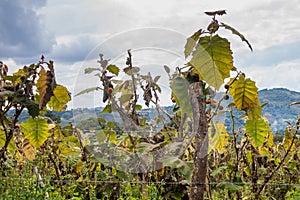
200,127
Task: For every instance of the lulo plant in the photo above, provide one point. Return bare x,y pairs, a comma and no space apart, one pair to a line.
32,88
179,154
210,63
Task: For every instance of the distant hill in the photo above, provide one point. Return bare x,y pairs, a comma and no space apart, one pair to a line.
277,110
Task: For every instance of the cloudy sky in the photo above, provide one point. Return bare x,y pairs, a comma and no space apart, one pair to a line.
73,33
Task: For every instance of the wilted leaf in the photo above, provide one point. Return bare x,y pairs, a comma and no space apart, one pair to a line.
218,12
113,69
294,103
35,130
212,60
59,100
147,94
28,150
45,86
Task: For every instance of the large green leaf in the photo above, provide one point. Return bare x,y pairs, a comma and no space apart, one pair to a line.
59,100
213,60
257,131
35,130
243,92
180,87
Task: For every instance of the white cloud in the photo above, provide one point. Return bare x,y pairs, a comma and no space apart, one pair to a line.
283,75
73,33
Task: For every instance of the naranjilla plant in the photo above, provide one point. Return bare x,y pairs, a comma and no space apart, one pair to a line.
183,154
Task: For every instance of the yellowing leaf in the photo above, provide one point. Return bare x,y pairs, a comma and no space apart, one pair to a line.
288,138
255,111
213,60
270,136
257,131
106,109
113,69
35,130
79,166
263,151
218,137
244,93
247,170
29,151
59,100
11,145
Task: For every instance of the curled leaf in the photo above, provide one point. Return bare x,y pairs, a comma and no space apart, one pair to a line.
218,12
234,31
87,91
294,103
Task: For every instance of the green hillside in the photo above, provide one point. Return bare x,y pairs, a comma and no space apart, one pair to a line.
278,110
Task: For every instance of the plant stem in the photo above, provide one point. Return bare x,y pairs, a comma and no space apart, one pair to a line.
200,127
